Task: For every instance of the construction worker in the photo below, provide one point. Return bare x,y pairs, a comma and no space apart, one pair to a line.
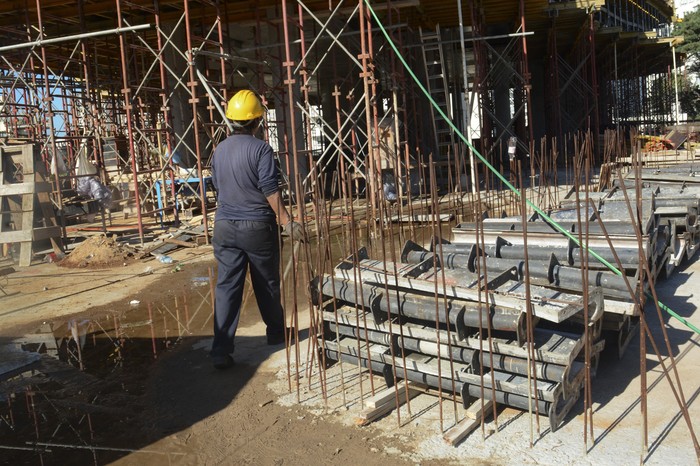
246,232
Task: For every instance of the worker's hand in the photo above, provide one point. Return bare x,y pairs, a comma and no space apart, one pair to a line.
294,230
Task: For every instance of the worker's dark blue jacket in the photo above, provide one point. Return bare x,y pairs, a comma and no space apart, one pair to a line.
244,174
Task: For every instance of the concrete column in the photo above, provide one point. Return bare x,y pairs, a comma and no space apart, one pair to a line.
501,103
537,98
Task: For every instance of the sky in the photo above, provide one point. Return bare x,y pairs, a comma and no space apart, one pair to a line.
684,6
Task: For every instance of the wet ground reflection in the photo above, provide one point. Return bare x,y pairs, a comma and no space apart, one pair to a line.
73,392
105,385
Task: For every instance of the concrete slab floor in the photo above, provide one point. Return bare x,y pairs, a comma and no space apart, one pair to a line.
617,420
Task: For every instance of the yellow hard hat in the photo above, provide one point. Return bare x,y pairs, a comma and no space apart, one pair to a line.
244,106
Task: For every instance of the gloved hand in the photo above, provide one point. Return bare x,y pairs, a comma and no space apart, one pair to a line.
294,230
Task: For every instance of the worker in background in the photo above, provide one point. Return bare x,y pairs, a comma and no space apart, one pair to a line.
246,232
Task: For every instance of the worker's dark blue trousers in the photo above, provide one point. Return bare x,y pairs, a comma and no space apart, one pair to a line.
238,244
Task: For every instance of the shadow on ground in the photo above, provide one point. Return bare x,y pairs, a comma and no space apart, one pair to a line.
669,337
99,387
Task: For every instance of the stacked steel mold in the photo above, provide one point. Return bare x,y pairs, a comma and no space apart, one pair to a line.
385,317
454,316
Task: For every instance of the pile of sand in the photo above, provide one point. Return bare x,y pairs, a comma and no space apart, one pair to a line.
99,252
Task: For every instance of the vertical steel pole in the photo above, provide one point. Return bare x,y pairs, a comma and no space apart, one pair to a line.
372,164
49,116
594,85
222,61
290,81
192,84
467,116
616,101
126,92
525,66
305,85
166,128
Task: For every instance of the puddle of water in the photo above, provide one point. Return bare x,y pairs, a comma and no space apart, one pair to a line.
81,402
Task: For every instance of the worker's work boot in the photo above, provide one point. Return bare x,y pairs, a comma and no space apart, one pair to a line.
222,361
278,338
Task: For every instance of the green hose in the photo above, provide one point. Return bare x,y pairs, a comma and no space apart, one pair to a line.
503,179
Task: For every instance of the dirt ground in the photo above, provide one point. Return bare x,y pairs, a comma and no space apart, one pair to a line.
173,408
148,394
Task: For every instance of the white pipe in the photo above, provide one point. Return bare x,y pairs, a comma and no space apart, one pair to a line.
467,120
55,40
675,81
214,98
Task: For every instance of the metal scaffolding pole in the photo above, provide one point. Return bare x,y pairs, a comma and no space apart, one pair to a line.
85,35
50,119
128,106
195,114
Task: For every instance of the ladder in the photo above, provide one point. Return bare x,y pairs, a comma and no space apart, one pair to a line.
437,86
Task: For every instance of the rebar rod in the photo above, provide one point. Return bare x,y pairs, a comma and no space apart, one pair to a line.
579,160
531,373
129,120
646,332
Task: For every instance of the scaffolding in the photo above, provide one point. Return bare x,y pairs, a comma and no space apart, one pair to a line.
139,88
152,87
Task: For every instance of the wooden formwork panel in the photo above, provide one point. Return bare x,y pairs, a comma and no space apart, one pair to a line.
24,189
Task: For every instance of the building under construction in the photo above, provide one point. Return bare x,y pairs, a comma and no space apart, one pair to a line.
139,85
463,169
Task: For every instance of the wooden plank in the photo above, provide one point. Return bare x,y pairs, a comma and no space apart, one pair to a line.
46,233
25,249
17,236
385,396
465,427
369,415
180,243
47,211
36,234
613,306
15,189
182,235
477,410
11,210
471,421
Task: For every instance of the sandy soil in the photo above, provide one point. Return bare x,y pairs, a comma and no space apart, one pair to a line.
99,251
48,291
